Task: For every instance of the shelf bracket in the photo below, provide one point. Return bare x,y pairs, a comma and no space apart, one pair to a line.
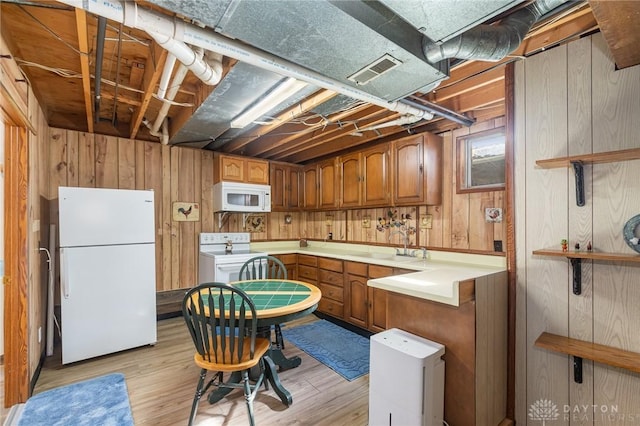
223,217
579,173
577,275
577,369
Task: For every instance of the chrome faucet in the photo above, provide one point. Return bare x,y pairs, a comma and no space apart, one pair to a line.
405,238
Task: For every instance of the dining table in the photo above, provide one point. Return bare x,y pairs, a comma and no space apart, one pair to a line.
277,301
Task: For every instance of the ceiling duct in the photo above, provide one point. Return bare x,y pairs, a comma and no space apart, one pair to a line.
491,42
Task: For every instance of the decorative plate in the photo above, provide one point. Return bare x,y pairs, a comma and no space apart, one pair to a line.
631,233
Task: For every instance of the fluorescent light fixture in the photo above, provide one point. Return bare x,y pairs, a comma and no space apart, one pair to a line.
278,95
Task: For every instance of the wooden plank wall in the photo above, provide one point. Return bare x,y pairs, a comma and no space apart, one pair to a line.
38,235
570,100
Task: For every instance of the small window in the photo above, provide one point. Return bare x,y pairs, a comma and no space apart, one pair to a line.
481,161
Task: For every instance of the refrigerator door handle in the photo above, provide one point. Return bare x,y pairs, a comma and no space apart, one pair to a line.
63,274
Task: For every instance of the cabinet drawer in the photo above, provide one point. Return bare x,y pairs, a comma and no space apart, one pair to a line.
332,292
331,277
330,264
377,271
331,307
307,273
357,268
305,259
287,259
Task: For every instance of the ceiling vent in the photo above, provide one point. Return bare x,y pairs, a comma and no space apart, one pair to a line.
374,69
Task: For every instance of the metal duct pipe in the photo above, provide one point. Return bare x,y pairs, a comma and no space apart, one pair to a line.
440,111
102,30
152,22
490,42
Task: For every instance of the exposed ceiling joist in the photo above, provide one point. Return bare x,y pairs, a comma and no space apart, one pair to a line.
616,20
83,46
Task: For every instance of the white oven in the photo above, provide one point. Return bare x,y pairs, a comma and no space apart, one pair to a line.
222,255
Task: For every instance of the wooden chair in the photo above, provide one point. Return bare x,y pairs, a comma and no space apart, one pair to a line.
223,325
263,268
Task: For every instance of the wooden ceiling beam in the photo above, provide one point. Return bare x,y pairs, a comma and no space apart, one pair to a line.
275,141
616,19
323,133
83,46
325,139
345,142
291,113
468,85
152,71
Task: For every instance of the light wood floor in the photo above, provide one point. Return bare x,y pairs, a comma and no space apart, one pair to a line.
161,381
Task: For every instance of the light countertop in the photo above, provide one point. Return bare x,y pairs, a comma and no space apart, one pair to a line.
436,278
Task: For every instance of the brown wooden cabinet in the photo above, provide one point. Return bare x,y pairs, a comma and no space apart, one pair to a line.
308,269
285,186
377,298
417,170
366,306
364,177
310,186
327,178
290,262
350,180
241,169
331,283
356,289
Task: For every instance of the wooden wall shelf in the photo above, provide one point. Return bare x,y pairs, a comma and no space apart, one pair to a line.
576,256
593,351
598,158
593,255
577,161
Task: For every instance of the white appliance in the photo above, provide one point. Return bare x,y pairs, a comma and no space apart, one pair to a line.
406,380
241,197
222,255
107,271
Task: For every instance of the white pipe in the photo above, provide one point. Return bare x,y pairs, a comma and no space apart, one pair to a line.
153,22
205,72
405,119
166,75
181,73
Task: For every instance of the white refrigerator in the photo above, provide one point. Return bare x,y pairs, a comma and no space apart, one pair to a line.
107,271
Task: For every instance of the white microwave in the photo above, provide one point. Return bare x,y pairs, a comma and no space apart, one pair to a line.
241,197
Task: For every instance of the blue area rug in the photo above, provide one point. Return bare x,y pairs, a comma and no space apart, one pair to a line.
101,401
344,351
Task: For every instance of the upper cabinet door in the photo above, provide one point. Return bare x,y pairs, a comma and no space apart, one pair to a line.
328,184
257,171
231,168
408,165
310,198
376,179
278,176
350,180
294,174
433,159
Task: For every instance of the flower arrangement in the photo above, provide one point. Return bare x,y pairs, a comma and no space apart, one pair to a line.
392,221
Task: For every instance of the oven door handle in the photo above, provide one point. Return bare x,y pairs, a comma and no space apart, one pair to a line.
230,267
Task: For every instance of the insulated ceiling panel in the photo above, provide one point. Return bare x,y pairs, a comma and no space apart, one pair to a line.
441,20
323,37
